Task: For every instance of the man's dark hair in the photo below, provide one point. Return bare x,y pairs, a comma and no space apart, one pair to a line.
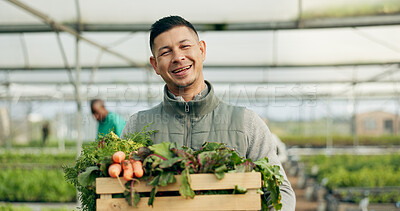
93,102
165,24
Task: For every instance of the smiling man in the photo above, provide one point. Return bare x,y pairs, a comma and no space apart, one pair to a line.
190,113
178,57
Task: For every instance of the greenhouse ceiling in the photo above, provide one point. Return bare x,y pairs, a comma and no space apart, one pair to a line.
342,47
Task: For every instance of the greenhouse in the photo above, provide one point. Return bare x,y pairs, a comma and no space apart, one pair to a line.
324,76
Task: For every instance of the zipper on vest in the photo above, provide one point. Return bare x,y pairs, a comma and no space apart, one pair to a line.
186,107
187,126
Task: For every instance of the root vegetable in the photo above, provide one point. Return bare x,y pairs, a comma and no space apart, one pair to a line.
137,168
128,170
118,157
114,170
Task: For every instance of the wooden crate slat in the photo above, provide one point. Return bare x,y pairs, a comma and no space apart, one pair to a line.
177,203
249,180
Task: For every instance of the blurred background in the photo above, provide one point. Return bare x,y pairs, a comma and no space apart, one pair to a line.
324,75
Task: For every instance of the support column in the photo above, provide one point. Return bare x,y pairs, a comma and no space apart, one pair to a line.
78,98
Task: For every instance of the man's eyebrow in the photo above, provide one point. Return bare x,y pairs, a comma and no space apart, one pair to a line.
185,40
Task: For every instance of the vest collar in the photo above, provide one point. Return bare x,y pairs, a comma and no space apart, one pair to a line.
197,108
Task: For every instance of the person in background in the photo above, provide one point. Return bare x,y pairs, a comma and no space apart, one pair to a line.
45,132
108,121
191,113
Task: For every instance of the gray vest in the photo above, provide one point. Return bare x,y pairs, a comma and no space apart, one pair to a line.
195,122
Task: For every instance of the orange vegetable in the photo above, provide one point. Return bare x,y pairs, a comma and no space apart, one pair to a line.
137,168
128,170
114,170
118,157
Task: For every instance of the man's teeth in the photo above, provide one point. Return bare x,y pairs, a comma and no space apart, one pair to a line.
181,69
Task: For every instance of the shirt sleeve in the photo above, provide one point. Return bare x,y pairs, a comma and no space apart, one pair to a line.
130,126
261,145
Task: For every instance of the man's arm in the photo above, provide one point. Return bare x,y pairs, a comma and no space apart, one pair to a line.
261,145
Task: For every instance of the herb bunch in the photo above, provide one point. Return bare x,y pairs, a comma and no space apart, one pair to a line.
95,159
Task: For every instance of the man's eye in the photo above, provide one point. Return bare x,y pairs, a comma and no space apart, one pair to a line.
185,46
164,53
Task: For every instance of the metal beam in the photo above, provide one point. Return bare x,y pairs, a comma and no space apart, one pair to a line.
361,21
259,99
228,67
220,82
55,26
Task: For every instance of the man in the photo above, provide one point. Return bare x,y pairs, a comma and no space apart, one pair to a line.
190,113
108,121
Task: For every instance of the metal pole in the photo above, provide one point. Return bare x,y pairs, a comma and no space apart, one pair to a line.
9,135
354,118
78,99
329,142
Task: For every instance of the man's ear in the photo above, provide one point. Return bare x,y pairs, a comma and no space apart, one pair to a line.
203,49
153,62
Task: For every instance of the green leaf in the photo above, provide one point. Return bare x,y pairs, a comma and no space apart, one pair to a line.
211,146
220,175
236,159
185,190
246,166
220,169
104,164
152,195
163,150
131,196
272,179
166,178
88,177
170,162
239,190
142,153
155,181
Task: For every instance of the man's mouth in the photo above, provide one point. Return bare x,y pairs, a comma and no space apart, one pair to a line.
182,69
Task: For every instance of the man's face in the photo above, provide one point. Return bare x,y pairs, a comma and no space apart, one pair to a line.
99,112
178,58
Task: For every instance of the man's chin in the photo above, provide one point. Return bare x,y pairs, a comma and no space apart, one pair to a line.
184,85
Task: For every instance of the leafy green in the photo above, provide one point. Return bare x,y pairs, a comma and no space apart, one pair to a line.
239,190
165,160
272,179
162,149
185,190
132,197
88,177
98,154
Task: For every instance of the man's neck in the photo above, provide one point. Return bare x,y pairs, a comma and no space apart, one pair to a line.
188,93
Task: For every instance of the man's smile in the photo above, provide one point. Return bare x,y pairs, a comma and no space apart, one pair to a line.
179,70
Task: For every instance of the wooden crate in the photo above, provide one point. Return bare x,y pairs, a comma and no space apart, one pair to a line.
107,186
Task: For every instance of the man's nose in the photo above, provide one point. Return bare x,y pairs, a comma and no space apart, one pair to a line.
178,56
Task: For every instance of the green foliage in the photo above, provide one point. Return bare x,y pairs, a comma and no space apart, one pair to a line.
272,179
9,207
320,141
51,143
382,7
98,154
35,185
28,177
163,161
374,196
356,171
16,158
